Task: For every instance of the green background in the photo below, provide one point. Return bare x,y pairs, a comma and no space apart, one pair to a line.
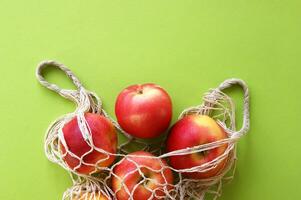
185,46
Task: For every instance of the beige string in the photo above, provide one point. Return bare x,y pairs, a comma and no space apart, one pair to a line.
215,104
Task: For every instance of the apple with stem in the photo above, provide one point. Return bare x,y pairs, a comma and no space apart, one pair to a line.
195,130
144,111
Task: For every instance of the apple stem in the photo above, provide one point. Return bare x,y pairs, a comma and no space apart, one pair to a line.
140,90
203,153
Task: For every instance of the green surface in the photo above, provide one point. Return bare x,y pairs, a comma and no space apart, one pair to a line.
185,46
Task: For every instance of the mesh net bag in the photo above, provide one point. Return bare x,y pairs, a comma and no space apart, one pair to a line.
101,177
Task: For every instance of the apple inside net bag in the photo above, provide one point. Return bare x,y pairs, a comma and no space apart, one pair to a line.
195,159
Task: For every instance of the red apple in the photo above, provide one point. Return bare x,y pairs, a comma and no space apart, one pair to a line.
127,177
104,136
194,130
144,111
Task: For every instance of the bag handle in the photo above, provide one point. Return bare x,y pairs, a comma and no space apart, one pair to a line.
51,86
246,102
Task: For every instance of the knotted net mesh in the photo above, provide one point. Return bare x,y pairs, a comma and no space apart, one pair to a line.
147,175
